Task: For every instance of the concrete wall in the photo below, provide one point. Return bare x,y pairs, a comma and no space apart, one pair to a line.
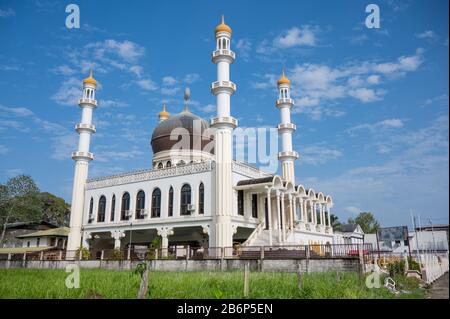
311,265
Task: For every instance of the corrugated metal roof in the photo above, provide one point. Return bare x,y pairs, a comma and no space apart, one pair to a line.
61,231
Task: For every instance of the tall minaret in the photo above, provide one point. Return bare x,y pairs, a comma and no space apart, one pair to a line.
82,157
284,103
223,123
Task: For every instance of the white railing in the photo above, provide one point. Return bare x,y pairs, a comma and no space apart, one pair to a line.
285,101
144,175
218,53
223,84
87,101
254,234
434,266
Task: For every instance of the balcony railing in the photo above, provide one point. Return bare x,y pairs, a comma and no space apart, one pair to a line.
87,127
285,101
225,120
85,155
87,101
223,84
219,53
288,126
288,154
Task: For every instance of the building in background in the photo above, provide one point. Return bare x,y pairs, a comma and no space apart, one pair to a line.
14,230
349,234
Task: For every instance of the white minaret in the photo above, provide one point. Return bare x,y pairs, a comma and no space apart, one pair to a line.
82,157
223,123
284,103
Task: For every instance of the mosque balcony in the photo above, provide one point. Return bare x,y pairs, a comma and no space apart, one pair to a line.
288,155
84,101
287,127
78,155
80,127
285,101
220,54
226,121
219,86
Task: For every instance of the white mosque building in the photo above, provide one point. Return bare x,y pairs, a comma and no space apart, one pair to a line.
196,195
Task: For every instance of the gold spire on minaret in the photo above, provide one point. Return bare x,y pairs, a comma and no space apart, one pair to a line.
223,27
164,115
90,79
283,79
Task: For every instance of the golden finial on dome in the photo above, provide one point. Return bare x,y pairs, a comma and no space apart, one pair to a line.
90,79
283,79
223,27
164,114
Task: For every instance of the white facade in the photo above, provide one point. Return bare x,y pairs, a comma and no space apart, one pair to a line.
195,197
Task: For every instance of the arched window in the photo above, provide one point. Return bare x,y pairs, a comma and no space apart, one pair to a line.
101,209
160,165
185,199
125,209
140,205
201,199
113,207
91,210
170,212
169,164
156,203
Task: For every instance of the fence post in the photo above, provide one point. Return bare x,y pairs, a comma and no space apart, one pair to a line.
102,255
24,256
42,255
188,251
9,256
361,259
60,254
299,276
307,258
246,281
262,252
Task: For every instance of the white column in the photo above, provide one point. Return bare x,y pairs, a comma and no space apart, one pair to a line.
82,157
291,212
117,235
223,124
278,215
164,232
283,218
269,215
328,215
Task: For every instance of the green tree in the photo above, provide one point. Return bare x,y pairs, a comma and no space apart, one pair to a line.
335,223
21,200
367,222
16,200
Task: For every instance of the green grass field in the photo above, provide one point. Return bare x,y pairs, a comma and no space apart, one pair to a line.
100,283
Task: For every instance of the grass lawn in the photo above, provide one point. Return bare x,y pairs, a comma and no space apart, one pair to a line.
100,283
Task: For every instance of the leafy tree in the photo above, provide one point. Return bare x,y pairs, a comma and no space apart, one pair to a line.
335,223
367,222
20,200
15,200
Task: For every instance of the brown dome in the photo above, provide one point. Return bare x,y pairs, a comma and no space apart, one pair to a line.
161,135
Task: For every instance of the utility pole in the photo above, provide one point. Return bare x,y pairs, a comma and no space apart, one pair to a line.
417,236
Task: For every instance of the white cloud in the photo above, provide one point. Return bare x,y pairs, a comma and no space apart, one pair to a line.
191,78
170,91
382,125
69,92
111,103
353,210
440,100
3,150
415,177
209,108
244,46
303,36
7,13
169,80
317,155
316,88
14,172
64,70
428,34
147,84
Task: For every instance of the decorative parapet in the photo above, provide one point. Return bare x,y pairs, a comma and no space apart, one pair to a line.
147,175
87,102
248,170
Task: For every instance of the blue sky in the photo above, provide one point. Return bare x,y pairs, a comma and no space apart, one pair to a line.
371,104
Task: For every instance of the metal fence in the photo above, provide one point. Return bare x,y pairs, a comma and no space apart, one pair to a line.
203,253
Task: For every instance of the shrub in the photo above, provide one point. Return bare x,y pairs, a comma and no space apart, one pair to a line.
117,254
84,252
